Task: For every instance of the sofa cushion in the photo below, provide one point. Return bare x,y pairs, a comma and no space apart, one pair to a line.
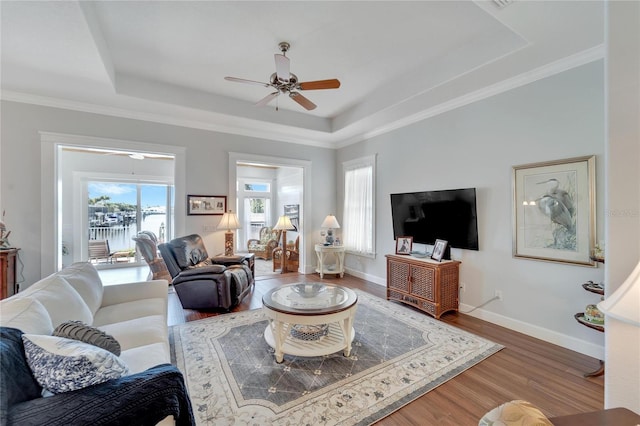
17,384
84,278
26,314
77,330
63,365
144,357
129,310
515,413
138,332
59,299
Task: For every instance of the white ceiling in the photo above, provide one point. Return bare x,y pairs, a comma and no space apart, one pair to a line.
398,62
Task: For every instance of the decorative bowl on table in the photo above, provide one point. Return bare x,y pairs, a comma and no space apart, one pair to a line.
309,290
420,254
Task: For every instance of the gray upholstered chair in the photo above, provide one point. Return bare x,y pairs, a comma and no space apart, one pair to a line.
147,246
202,282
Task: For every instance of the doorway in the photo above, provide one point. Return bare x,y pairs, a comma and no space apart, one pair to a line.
265,188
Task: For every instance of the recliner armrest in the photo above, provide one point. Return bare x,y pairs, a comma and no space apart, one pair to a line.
210,269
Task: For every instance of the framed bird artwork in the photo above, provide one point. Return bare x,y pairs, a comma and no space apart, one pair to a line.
553,210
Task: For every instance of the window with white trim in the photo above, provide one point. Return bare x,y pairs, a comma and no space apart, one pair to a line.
358,217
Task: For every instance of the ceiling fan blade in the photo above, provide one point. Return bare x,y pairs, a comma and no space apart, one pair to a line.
306,103
319,84
282,67
262,102
242,80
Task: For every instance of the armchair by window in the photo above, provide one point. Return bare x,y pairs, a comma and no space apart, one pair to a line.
292,254
202,282
263,247
99,250
147,247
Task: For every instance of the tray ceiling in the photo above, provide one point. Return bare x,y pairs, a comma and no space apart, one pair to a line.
397,61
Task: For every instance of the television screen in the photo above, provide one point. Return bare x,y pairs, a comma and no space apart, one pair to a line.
429,215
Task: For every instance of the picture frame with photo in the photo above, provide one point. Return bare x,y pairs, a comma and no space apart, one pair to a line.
439,248
404,245
206,204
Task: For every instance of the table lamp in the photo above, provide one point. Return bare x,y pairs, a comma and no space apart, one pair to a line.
229,221
330,222
624,303
284,224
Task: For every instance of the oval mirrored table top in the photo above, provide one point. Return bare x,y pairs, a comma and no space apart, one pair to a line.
309,299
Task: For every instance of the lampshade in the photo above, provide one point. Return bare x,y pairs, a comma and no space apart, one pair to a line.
624,303
330,222
229,221
284,224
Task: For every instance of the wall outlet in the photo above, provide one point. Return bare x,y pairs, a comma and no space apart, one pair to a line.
463,287
498,294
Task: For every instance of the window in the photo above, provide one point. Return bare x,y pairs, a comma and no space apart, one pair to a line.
359,201
118,209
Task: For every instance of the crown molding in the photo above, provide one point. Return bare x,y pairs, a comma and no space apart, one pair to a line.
344,137
590,55
258,130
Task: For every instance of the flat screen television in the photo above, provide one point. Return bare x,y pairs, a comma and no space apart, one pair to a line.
449,215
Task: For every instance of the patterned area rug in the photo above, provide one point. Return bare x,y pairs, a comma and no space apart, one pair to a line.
398,355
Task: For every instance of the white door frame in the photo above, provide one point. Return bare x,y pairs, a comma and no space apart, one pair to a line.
51,219
305,165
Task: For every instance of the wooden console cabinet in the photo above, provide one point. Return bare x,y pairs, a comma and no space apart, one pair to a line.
424,283
8,272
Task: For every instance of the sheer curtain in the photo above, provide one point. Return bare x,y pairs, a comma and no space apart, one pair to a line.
358,232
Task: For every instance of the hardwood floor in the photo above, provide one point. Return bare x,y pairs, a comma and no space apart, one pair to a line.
546,375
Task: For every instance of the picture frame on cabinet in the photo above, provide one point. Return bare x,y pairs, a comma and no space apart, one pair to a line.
404,245
554,211
438,250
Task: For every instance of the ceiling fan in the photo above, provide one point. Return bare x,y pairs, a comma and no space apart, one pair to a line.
285,82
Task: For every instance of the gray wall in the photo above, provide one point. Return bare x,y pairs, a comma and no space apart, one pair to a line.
476,146
473,146
206,164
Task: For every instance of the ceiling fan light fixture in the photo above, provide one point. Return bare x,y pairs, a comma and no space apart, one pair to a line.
284,81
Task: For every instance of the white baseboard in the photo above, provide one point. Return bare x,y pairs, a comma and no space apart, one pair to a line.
563,340
367,277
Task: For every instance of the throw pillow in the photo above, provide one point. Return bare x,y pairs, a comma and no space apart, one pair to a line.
84,278
26,314
515,413
62,365
76,330
60,300
17,384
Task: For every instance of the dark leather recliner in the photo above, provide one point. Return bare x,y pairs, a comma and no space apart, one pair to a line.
202,282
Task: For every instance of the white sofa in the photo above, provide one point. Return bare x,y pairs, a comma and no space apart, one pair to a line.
135,314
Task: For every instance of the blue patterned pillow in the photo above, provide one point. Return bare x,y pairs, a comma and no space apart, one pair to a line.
63,365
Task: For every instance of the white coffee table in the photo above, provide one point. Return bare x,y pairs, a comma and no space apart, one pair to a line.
309,319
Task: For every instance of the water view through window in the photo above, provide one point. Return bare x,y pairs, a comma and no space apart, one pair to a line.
118,211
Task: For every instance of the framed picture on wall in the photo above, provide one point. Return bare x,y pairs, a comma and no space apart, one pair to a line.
403,245
206,204
554,210
293,212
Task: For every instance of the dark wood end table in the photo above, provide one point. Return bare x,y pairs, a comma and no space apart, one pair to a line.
610,417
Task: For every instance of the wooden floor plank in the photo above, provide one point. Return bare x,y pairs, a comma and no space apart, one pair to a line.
547,375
